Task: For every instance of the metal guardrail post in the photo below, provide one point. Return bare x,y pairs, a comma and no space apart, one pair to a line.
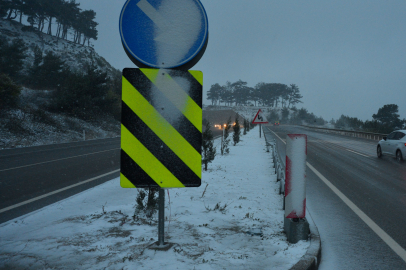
279,166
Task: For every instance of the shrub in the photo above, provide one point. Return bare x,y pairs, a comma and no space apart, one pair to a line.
237,131
11,56
9,92
147,204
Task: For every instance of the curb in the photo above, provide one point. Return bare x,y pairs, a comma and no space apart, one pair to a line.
311,260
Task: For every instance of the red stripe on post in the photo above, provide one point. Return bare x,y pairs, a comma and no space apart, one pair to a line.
295,176
288,176
292,215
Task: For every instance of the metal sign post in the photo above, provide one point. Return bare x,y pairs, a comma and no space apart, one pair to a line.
161,218
260,126
161,126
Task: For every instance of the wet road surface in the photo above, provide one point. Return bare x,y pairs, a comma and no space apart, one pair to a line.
376,186
33,177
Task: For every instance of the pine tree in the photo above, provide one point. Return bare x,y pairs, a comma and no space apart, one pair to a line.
83,95
51,72
237,131
4,6
33,77
9,92
388,117
208,151
226,141
11,57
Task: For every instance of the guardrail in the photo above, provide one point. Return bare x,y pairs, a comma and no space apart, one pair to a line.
278,164
351,133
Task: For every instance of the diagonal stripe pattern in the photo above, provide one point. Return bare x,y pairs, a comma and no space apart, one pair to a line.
161,128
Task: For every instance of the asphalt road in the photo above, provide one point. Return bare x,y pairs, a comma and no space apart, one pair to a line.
33,177
376,186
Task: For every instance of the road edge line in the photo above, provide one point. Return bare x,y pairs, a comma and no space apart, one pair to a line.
367,220
55,192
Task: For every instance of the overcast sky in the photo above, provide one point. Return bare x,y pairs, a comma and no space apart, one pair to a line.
347,57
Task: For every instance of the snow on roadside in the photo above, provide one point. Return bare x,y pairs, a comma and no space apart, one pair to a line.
95,229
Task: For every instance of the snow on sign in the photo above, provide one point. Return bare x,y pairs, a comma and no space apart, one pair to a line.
164,33
260,118
161,128
295,182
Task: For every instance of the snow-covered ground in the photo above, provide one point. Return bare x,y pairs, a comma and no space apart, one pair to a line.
96,229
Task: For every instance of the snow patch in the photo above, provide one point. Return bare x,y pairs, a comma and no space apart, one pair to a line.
97,228
184,20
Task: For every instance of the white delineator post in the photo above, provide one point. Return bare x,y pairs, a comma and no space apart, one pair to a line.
295,182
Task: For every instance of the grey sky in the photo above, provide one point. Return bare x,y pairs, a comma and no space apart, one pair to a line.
347,57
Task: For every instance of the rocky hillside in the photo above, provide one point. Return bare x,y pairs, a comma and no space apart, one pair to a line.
76,56
31,122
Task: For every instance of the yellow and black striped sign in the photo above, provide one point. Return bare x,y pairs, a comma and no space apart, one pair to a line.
161,128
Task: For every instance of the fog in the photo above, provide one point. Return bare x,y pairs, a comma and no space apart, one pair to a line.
347,57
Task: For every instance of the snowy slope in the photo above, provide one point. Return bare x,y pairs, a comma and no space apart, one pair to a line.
75,56
29,128
96,229
26,126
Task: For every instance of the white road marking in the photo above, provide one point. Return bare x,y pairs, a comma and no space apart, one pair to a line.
277,136
167,34
371,224
55,192
153,14
356,153
56,160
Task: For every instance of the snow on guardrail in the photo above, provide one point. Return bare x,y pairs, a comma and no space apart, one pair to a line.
352,133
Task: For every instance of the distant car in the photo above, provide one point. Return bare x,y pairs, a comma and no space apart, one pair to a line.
276,123
394,145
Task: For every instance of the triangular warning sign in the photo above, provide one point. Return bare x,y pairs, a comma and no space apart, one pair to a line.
260,118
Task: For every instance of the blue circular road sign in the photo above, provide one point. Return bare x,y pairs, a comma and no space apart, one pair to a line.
164,33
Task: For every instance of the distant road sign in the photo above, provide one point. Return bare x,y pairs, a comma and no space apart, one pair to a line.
161,128
164,33
260,118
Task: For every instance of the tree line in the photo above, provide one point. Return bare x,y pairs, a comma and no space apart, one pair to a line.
384,121
265,94
41,14
294,116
